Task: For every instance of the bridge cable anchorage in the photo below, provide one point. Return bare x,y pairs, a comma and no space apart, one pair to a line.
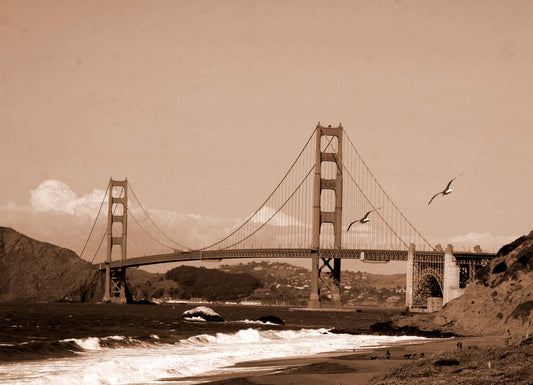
156,226
272,216
105,231
94,223
266,200
384,193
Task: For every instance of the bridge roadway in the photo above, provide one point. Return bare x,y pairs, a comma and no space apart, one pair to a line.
367,255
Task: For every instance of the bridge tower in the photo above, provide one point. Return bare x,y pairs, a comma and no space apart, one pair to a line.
115,279
323,275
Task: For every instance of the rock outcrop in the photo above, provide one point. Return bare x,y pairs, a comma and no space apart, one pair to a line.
500,302
202,313
39,271
271,319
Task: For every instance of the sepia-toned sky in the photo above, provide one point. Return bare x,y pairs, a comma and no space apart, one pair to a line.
203,106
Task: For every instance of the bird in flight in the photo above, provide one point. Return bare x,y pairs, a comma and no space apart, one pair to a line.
446,191
362,220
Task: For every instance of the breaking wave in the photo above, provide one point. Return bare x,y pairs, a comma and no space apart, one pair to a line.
125,360
36,350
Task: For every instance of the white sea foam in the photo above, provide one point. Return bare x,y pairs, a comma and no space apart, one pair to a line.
247,321
94,343
198,355
119,338
91,343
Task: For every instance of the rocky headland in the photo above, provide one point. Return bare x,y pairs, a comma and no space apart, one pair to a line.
35,271
39,271
500,302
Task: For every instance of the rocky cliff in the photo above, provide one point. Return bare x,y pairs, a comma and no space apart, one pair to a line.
500,302
39,271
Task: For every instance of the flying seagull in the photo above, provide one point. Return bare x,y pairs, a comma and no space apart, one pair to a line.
362,220
446,191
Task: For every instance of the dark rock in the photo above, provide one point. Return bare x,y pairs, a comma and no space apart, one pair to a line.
523,310
446,362
271,319
387,328
506,249
143,302
500,268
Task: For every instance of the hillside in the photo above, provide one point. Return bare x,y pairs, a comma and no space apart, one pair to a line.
39,271
289,284
499,302
42,272
211,284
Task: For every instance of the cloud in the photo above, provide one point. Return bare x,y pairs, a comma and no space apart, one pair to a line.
487,241
268,214
193,230
57,214
55,195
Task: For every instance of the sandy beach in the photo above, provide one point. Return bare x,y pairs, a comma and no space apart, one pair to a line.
352,369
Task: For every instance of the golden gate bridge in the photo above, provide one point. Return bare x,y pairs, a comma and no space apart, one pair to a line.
305,216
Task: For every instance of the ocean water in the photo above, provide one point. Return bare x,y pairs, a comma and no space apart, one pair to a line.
157,346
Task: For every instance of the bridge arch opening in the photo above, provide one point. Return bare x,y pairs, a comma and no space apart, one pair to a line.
428,287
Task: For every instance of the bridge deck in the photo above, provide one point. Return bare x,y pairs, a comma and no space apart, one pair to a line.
366,255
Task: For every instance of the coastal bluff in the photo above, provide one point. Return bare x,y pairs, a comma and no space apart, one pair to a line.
42,272
499,302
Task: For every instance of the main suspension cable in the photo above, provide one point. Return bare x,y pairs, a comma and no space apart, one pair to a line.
266,200
95,219
156,226
273,215
103,236
384,192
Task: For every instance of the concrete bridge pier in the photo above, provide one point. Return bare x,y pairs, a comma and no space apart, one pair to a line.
451,277
314,298
409,278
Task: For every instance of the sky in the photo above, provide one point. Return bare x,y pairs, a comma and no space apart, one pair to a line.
204,105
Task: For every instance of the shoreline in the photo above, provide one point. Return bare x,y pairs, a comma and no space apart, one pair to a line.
334,368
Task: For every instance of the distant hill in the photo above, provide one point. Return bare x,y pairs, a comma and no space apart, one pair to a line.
211,284
281,271
499,302
286,283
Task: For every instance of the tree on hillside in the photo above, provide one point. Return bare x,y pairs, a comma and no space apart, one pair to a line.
211,284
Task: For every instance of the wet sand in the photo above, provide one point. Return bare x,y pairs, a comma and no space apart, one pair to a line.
334,369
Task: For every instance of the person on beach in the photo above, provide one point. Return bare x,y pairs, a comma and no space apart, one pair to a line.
387,355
